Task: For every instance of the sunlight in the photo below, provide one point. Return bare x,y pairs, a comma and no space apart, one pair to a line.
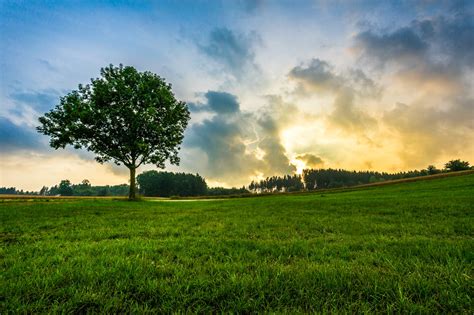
300,165
259,153
306,135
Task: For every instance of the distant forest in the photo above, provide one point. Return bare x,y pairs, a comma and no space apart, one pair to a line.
168,184
312,179
65,188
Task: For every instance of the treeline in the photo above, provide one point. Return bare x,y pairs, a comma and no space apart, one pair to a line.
221,191
66,188
13,191
150,183
167,184
285,183
334,178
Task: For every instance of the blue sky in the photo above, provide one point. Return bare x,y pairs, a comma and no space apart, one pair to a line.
274,85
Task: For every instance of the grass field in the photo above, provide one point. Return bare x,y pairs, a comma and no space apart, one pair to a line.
406,247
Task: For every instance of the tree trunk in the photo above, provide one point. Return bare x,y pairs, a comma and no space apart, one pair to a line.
132,193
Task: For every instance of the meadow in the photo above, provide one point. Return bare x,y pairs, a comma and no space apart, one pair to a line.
405,247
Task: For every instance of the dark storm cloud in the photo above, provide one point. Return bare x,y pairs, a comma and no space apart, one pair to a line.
224,138
17,126
18,131
221,140
233,51
442,39
403,44
196,107
217,102
222,102
455,37
15,137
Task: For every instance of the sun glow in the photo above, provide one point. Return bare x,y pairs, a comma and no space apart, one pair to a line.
300,165
297,137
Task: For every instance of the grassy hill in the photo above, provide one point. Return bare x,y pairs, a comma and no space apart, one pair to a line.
406,247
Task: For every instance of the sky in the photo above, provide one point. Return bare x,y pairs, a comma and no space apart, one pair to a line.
273,86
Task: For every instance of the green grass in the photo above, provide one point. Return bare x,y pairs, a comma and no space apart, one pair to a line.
406,247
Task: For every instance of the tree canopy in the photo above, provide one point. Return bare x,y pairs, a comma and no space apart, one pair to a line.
166,184
457,165
85,188
125,116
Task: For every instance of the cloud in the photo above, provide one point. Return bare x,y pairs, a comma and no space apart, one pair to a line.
251,6
41,101
428,133
23,107
419,56
431,62
441,40
318,76
275,156
221,139
15,137
403,45
425,68
310,160
18,127
234,52
238,146
452,37
362,84
47,65
347,117
216,102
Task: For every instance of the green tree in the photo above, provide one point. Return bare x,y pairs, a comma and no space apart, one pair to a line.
126,116
85,183
83,189
65,188
165,184
431,170
457,165
44,191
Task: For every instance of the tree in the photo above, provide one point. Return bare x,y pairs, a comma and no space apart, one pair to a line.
44,191
431,170
85,183
83,189
65,188
126,116
457,165
165,184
